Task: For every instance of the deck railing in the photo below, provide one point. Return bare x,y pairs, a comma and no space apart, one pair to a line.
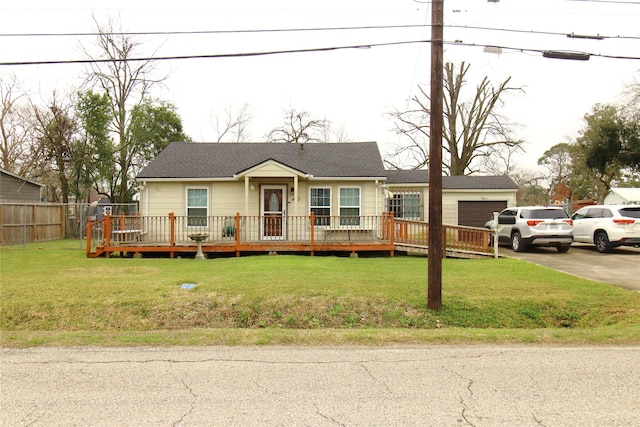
172,230
455,238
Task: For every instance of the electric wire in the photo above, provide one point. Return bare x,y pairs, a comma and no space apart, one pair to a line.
311,29
293,51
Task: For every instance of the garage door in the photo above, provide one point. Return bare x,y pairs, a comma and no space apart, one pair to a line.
476,213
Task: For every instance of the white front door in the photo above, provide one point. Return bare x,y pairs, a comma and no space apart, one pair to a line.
273,209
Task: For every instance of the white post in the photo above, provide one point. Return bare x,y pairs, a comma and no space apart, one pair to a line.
494,229
295,194
246,195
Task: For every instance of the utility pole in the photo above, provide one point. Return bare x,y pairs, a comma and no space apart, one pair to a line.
434,291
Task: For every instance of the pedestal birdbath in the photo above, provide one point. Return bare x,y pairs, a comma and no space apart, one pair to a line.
199,237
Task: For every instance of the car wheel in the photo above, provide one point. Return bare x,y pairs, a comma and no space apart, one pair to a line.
562,249
602,242
516,242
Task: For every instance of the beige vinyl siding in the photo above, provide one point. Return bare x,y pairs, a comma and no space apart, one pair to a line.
164,198
450,199
271,169
227,198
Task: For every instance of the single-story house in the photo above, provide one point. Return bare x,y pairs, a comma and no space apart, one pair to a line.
623,196
330,180
17,189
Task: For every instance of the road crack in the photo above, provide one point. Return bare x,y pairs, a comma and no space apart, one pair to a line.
374,378
192,404
463,401
326,417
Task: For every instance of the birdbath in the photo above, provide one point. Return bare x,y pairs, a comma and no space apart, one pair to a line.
199,237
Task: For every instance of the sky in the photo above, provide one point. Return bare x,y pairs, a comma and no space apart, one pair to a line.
354,88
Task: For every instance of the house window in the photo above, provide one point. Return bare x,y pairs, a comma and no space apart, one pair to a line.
320,205
405,205
197,202
350,206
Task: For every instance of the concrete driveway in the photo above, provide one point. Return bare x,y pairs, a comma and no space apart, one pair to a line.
618,268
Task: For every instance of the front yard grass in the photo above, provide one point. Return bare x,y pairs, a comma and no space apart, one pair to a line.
51,294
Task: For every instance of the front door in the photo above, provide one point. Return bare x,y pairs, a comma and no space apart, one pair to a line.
273,209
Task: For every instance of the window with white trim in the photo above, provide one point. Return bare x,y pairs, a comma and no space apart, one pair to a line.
406,204
320,205
349,205
197,207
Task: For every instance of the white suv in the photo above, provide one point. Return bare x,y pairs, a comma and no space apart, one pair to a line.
607,226
535,226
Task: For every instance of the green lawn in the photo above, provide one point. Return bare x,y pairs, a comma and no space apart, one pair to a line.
51,294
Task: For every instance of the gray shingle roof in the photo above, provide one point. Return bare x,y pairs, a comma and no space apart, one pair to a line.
189,160
468,182
414,176
224,160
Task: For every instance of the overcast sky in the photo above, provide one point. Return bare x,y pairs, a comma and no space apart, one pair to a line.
353,88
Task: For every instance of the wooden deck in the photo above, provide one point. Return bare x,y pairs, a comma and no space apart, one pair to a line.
176,236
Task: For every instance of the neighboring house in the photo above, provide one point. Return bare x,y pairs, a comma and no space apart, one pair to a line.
623,196
329,179
17,189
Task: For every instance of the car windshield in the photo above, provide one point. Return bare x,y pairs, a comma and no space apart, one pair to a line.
544,214
630,212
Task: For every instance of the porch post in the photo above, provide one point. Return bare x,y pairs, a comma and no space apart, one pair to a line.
238,231
246,195
377,189
312,222
172,233
295,195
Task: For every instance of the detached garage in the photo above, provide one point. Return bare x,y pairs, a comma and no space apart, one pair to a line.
466,200
476,213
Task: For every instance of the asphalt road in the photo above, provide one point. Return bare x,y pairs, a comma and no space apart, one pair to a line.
294,386
620,268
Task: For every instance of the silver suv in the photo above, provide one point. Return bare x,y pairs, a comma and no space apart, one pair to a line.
535,226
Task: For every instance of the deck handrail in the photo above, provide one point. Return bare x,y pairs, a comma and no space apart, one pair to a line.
174,231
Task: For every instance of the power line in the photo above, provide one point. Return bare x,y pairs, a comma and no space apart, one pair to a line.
292,51
200,32
285,30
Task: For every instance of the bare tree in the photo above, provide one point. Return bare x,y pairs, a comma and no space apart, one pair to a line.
55,129
472,129
500,160
126,83
531,188
299,127
15,147
234,125
336,134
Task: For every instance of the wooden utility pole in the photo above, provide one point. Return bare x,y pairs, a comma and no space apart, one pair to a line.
434,291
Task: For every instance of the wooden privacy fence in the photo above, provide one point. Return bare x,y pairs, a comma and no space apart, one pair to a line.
30,223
